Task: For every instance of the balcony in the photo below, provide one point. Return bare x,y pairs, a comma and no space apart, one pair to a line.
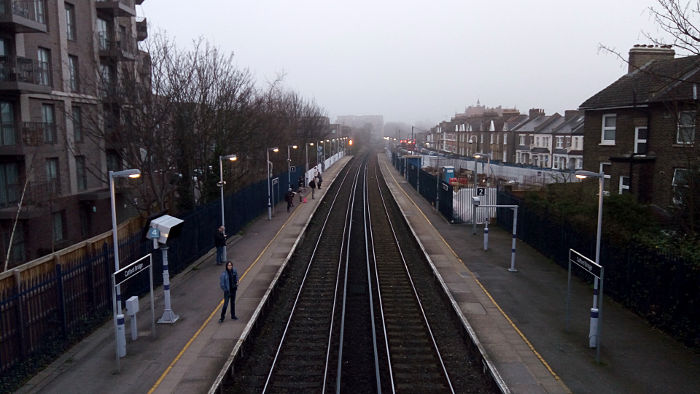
36,195
123,48
16,138
141,30
24,75
22,16
116,8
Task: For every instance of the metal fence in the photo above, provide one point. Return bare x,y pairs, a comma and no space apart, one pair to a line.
654,283
46,308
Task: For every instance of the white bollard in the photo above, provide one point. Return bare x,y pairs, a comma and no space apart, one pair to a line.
486,235
132,308
593,332
121,338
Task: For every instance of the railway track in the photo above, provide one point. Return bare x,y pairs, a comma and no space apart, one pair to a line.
359,309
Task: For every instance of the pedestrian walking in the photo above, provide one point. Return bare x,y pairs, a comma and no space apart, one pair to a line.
228,281
312,185
300,186
220,243
318,175
289,197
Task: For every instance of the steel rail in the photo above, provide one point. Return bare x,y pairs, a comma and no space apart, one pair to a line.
301,287
353,193
417,297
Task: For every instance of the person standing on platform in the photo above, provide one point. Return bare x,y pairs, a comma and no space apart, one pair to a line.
289,197
312,185
318,175
220,243
228,281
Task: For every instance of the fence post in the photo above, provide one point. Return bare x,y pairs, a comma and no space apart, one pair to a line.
61,297
20,314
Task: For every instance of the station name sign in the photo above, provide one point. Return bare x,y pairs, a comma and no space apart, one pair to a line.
585,263
132,269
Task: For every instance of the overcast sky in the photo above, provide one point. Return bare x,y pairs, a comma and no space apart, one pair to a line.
418,61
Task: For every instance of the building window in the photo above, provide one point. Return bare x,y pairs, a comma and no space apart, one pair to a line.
7,119
481,138
686,127
70,21
492,139
44,66
113,161
560,142
57,218
505,139
102,34
624,185
39,11
17,251
81,172
77,124
73,73
640,140
608,131
49,123
680,180
52,181
9,184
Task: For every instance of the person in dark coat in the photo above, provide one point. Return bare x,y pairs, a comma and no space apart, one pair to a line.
220,243
312,185
228,281
289,197
300,186
318,175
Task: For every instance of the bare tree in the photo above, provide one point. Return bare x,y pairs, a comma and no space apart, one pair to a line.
679,19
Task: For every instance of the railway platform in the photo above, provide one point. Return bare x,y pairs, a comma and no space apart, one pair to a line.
186,356
518,317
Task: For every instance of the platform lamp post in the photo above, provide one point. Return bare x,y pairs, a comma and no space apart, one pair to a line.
596,311
269,187
116,299
289,165
221,187
306,167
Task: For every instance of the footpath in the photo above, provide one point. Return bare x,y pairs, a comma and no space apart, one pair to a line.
518,317
634,357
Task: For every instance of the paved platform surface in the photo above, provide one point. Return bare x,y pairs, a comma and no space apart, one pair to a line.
518,317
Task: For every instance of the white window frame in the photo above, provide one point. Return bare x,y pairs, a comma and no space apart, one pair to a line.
604,129
521,139
621,186
505,139
638,140
689,126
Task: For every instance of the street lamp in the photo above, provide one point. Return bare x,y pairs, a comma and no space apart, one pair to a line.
269,187
118,317
289,165
221,187
582,174
306,167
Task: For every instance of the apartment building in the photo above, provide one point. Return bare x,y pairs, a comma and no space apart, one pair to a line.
59,63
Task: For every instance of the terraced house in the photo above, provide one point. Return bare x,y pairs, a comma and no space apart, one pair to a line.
59,62
641,129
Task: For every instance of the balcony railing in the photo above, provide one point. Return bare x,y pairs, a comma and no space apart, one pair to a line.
122,46
23,74
117,7
23,16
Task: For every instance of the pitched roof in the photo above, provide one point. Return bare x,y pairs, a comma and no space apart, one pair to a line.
651,83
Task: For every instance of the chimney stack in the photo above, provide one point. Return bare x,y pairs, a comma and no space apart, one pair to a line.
535,112
640,55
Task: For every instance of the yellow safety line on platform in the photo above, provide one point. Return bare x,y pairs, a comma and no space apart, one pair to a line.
196,334
477,280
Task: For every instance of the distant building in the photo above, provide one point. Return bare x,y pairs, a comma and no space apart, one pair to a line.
641,129
373,123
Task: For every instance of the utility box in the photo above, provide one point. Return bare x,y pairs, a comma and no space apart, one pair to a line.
132,305
476,201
